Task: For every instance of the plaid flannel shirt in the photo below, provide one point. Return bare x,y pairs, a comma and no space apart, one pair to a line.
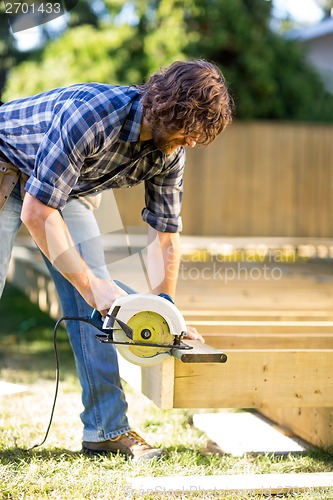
82,139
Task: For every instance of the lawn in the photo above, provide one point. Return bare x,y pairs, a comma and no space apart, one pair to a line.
57,470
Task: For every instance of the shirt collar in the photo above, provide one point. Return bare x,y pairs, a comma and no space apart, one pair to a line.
130,131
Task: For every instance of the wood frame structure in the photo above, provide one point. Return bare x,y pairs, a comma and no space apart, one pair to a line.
250,379
279,359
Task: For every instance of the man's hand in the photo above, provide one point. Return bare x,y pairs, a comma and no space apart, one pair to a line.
101,293
192,334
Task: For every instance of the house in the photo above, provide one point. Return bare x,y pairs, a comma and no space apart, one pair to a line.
317,41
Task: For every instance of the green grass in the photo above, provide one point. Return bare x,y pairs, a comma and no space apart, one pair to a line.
57,470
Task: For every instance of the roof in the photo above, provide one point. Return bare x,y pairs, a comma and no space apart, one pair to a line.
324,28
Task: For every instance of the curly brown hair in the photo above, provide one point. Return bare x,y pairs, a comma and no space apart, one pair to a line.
190,96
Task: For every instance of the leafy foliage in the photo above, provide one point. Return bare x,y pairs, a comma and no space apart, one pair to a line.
97,51
268,74
7,50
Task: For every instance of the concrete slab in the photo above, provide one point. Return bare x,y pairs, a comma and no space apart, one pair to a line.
245,432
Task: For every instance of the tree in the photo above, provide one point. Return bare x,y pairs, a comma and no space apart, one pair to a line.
10,55
115,51
7,47
267,74
97,52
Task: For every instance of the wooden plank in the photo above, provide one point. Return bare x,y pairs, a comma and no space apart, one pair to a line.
203,295
314,425
257,379
265,340
158,383
241,432
239,484
220,327
257,314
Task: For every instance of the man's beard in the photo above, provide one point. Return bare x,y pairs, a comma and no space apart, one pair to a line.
163,143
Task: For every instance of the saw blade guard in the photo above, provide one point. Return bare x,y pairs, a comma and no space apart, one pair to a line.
153,319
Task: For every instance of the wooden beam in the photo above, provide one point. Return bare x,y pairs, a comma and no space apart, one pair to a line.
158,383
258,314
239,484
220,327
32,278
257,379
314,425
270,341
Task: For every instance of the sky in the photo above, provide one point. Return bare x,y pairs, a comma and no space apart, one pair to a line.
306,11
303,11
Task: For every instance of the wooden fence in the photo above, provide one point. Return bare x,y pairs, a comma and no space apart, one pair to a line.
256,179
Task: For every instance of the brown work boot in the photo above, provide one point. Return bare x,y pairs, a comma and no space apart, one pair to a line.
129,444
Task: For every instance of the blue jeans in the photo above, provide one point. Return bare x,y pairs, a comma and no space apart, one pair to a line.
104,414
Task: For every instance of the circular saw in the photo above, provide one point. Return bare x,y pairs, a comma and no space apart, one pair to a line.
144,327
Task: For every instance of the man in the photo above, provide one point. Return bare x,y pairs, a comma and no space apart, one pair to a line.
62,146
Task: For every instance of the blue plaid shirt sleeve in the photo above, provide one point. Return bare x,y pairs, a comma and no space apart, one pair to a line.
75,133
163,195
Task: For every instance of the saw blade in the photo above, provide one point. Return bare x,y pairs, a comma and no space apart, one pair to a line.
149,327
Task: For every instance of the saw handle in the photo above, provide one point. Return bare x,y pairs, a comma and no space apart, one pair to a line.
96,319
166,296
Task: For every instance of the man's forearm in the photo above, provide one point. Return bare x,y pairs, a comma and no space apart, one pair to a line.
163,259
52,237
165,250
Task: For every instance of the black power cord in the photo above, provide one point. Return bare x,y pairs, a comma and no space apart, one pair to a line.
84,319
57,366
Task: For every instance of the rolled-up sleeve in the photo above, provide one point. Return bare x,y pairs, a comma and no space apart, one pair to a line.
164,194
72,135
